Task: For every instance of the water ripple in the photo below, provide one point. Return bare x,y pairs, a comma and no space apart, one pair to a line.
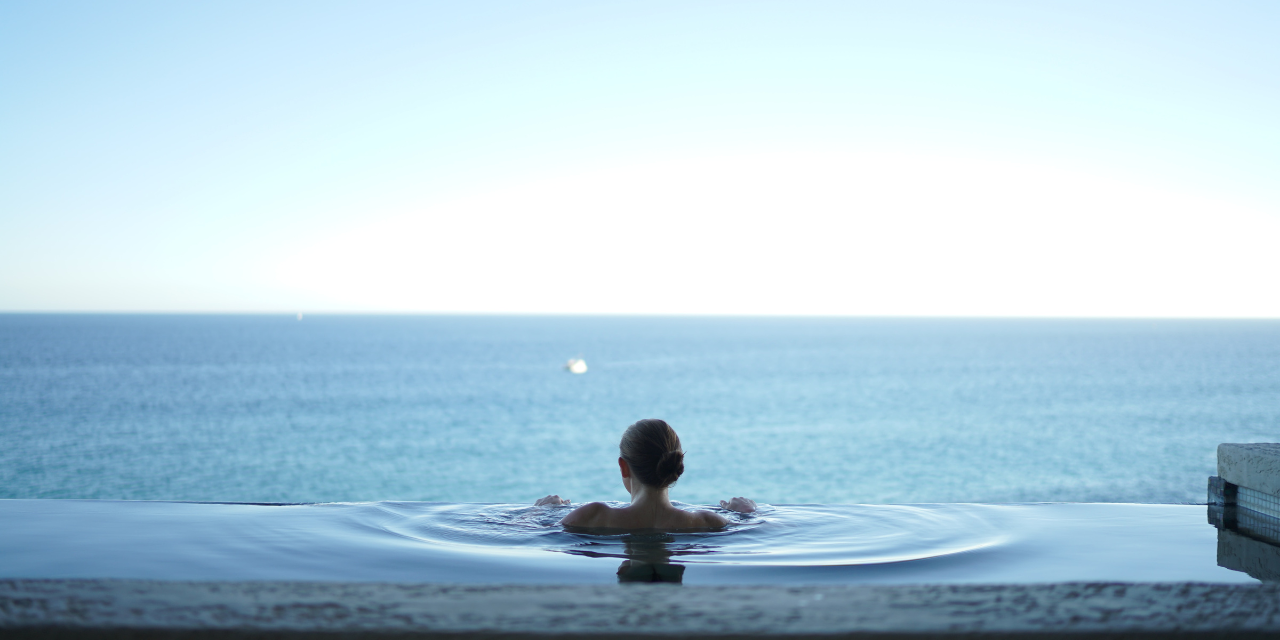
794,536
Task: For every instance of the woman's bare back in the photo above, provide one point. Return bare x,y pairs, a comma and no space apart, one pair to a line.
598,515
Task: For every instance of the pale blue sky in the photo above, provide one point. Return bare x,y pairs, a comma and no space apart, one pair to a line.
918,158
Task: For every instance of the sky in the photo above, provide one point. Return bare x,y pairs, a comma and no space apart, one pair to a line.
914,158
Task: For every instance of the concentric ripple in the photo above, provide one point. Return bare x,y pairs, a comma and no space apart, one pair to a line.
790,536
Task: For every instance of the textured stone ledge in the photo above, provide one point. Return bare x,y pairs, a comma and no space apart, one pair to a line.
146,609
1255,465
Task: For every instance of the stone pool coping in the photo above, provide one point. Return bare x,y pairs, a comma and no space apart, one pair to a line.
211,610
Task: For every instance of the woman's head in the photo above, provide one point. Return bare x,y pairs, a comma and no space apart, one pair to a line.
652,450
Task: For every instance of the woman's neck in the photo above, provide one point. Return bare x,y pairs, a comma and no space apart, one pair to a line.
648,498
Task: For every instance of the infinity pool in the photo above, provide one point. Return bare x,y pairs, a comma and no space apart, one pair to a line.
505,543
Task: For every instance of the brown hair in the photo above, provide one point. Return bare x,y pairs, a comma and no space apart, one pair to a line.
652,449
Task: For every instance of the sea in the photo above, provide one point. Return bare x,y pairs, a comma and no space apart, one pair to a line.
481,409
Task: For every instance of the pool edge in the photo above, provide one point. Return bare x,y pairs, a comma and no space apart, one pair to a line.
156,609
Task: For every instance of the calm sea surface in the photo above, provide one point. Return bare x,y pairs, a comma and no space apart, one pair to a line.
480,409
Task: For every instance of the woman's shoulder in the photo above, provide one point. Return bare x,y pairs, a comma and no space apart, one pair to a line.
710,519
598,515
591,514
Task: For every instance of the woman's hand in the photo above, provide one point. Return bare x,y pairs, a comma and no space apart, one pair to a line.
552,501
741,505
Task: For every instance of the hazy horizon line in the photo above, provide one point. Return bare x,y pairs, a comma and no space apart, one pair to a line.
887,316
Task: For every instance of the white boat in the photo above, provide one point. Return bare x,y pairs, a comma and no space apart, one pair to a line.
576,365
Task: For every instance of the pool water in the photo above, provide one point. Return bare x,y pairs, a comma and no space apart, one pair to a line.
507,543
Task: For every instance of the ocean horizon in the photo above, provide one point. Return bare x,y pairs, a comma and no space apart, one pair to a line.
786,410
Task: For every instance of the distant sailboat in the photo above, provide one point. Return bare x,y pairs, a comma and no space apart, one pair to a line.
576,365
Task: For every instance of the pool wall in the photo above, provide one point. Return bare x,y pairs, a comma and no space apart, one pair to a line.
1244,504
212,610
1253,466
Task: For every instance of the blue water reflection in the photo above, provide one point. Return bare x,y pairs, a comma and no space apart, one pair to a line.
493,544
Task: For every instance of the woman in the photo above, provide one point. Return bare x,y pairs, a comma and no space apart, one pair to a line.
651,462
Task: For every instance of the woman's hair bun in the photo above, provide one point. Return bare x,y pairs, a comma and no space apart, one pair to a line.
670,466
652,449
